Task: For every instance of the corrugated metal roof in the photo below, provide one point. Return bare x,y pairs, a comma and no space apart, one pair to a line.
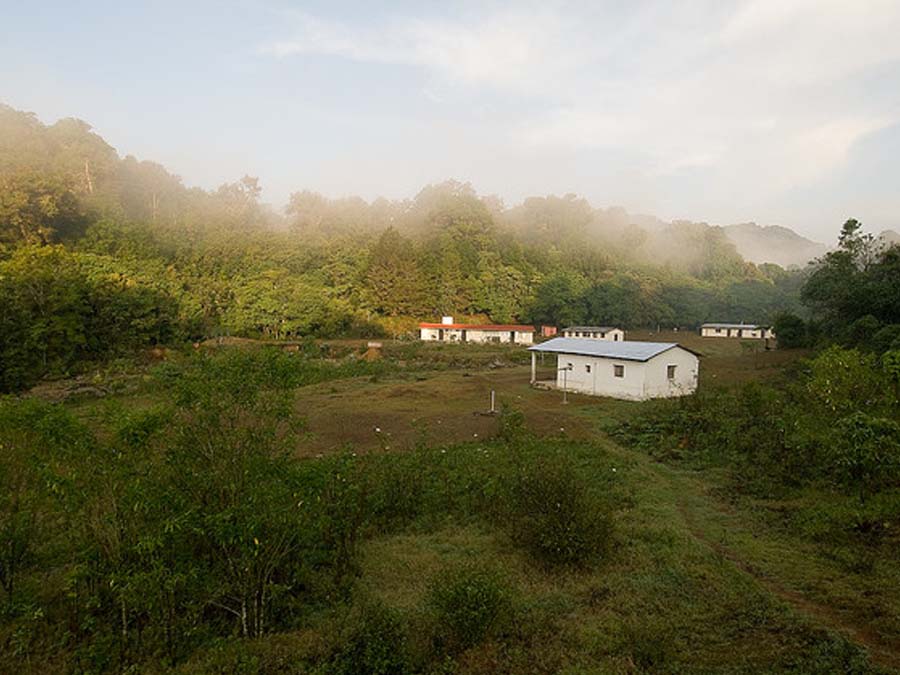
593,329
750,326
476,326
627,351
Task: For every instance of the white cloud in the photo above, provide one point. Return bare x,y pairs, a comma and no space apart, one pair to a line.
509,48
756,94
808,41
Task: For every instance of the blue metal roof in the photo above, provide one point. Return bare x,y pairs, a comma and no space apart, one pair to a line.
627,351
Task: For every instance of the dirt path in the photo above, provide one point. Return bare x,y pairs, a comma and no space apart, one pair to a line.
880,652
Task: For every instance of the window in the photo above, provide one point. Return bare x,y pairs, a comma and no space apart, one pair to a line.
670,372
618,370
587,368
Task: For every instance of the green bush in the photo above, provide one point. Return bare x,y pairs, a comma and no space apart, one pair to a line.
886,338
648,643
469,604
372,643
555,516
342,515
831,654
866,453
790,331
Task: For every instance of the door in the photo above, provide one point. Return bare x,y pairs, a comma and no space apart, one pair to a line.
464,335
440,333
512,336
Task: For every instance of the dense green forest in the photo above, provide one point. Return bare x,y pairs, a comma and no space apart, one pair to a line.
100,255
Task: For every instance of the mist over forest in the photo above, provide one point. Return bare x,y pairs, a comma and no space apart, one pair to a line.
162,262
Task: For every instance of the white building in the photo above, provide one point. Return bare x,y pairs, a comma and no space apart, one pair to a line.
736,330
448,331
610,333
634,371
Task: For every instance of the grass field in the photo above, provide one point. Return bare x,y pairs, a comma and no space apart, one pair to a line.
699,580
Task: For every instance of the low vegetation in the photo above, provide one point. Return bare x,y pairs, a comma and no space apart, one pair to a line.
183,536
205,468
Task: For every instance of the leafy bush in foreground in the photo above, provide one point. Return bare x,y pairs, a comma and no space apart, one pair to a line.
469,603
555,516
372,642
833,433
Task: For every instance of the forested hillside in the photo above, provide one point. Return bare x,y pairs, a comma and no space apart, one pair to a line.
773,244
101,254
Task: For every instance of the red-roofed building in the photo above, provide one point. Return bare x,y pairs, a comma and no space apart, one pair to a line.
448,331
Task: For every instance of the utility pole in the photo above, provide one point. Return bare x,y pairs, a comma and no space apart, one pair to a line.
565,370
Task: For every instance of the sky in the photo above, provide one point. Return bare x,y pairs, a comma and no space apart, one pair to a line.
774,111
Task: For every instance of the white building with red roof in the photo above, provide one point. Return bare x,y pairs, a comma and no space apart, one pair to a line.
448,331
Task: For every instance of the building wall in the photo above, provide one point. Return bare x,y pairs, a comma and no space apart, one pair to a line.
614,335
750,333
687,371
640,381
456,335
600,381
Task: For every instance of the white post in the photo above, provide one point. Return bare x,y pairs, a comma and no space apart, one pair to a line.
565,372
533,366
493,409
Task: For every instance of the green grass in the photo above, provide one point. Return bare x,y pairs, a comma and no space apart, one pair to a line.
698,580
689,588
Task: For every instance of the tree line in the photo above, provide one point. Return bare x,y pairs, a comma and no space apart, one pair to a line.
852,294
100,255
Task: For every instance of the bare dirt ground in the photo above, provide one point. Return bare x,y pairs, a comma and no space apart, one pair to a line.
445,407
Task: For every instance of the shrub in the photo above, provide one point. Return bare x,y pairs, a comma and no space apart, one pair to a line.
342,516
469,603
866,453
555,516
830,654
791,331
512,424
886,338
372,643
648,644
863,329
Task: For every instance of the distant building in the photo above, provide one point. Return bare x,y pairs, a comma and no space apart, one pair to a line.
634,371
448,331
610,333
736,330
548,331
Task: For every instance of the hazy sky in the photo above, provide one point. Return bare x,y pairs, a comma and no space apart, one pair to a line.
768,110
